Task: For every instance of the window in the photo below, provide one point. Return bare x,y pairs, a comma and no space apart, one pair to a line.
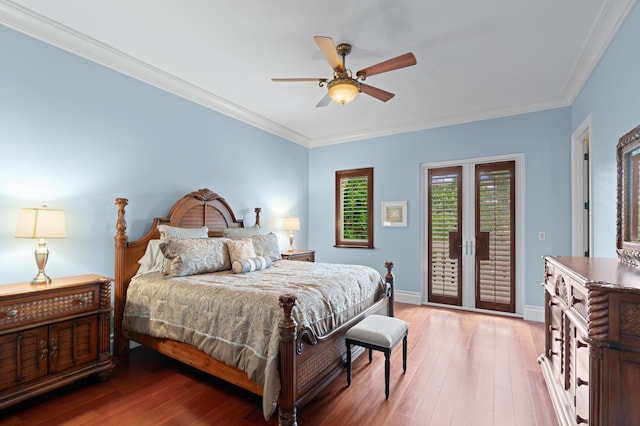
354,208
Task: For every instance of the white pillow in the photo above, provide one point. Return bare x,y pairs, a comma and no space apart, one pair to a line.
241,233
249,265
241,249
167,231
153,259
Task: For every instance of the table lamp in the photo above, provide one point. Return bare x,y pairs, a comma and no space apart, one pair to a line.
291,224
41,223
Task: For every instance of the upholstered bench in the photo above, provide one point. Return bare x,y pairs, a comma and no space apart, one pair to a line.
380,333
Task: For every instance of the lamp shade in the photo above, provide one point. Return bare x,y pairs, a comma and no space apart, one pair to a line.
291,224
41,223
343,90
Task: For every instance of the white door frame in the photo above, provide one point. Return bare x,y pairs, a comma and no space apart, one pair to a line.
577,185
468,300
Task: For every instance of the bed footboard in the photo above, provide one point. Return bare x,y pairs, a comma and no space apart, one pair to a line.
294,358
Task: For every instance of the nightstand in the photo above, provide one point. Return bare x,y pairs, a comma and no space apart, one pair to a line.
300,255
52,335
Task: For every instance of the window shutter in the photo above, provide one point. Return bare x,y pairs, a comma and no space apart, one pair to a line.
354,208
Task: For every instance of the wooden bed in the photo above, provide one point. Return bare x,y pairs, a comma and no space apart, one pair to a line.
307,362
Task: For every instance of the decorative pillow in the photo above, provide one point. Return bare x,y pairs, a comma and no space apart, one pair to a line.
189,256
153,259
241,233
249,265
241,249
267,245
167,231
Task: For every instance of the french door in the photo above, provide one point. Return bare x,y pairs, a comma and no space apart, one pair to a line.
471,235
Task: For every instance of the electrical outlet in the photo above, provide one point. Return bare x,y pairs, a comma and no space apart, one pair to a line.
541,236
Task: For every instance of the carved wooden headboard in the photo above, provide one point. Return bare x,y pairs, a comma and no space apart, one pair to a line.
199,208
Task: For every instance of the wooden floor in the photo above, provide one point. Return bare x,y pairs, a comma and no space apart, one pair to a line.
462,369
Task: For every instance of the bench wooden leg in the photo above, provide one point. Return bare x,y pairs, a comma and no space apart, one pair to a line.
387,368
348,364
404,354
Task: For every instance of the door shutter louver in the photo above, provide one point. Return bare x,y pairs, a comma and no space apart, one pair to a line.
445,235
495,236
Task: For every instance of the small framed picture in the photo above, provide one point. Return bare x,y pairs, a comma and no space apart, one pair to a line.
394,214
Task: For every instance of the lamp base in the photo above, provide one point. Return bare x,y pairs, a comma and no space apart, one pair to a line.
41,255
290,241
41,278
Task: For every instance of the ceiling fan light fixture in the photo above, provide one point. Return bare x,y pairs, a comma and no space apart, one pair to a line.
343,90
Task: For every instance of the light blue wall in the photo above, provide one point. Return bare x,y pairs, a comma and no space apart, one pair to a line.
542,137
612,96
76,135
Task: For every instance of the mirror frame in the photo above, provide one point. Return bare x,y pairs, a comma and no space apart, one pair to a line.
628,251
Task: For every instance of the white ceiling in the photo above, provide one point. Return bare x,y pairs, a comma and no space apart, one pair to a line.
476,59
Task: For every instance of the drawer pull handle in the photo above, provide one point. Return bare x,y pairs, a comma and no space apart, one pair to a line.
12,313
581,344
551,353
557,339
84,300
575,300
44,352
553,328
581,382
581,420
551,303
54,348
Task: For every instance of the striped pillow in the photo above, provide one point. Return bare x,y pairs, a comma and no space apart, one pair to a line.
257,263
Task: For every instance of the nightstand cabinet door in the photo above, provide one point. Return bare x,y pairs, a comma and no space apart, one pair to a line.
72,343
23,356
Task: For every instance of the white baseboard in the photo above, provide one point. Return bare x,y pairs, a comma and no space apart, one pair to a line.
407,297
533,313
529,313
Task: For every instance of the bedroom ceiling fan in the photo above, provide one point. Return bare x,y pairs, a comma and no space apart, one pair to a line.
344,87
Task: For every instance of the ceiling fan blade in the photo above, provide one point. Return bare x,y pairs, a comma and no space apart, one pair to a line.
380,94
401,61
328,49
324,101
281,80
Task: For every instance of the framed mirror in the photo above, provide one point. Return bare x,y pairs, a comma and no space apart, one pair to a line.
628,226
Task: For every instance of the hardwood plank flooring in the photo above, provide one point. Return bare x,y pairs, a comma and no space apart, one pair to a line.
463,368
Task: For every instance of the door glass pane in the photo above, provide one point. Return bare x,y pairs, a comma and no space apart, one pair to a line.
495,236
445,235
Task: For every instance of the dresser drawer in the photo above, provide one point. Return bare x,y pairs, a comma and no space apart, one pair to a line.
25,310
571,292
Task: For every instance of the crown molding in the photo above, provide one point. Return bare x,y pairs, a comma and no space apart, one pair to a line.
612,16
51,32
19,18
442,122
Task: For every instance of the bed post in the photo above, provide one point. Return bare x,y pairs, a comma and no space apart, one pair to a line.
120,345
389,279
287,400
257,210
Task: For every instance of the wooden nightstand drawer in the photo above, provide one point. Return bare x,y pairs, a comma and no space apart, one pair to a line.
57,303
300,255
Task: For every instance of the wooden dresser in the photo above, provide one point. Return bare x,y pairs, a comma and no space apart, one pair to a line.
52,335
591,362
